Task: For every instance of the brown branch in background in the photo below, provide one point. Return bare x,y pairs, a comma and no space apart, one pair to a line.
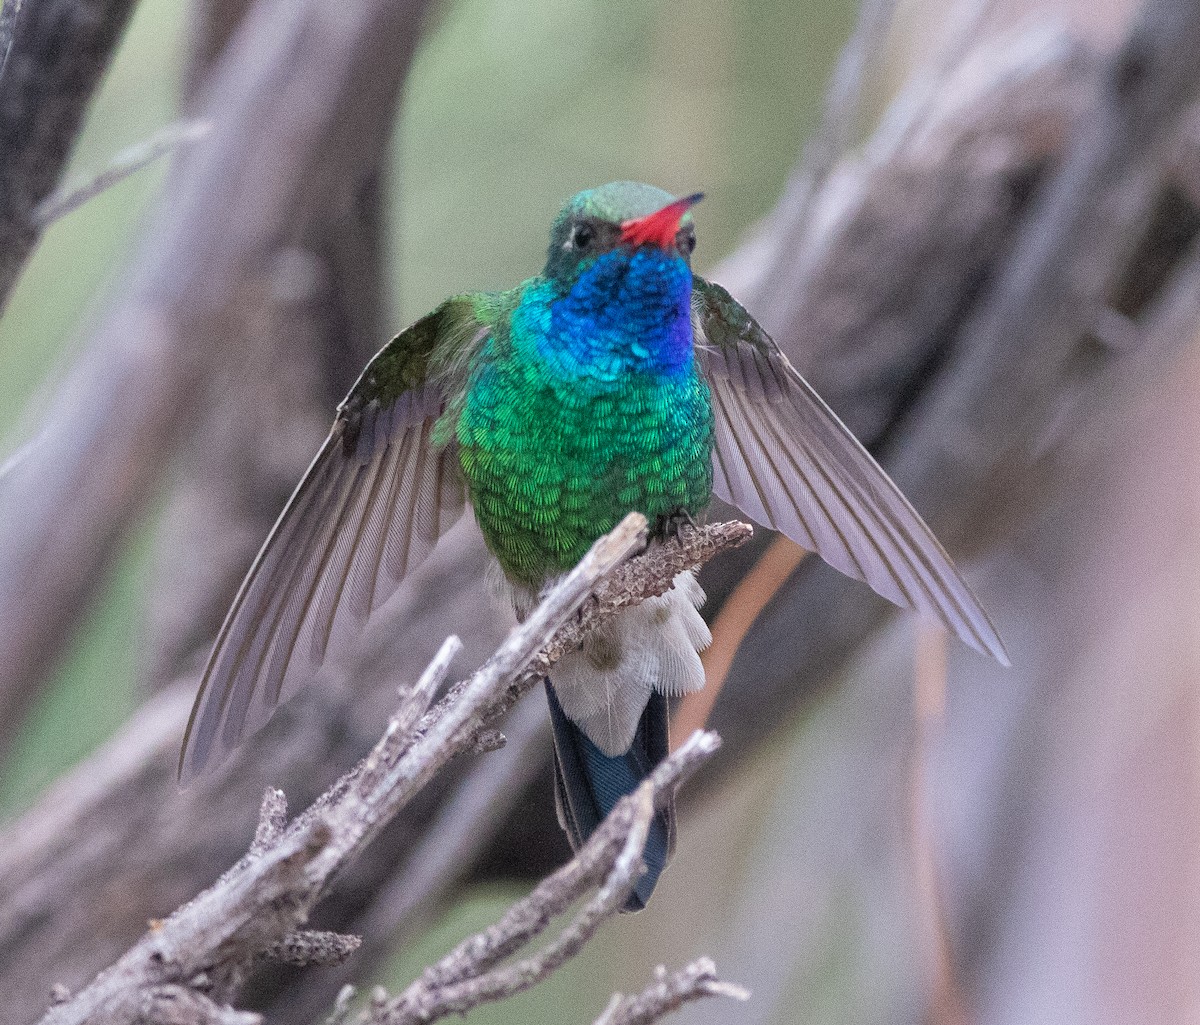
1067,260
8,24
323,314
259,904
54,55
281,119
946,1003
948,243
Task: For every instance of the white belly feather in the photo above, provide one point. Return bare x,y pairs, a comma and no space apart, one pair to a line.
605,684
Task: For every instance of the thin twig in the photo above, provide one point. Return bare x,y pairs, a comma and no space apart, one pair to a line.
459,981
471,974
313,947
52,57
126,163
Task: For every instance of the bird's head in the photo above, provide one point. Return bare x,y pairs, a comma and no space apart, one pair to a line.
619,216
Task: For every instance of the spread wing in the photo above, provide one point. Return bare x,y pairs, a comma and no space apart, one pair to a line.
785,459
370,507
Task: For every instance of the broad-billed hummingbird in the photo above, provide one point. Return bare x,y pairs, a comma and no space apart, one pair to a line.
616,380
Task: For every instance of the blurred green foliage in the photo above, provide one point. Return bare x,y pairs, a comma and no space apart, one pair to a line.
512,106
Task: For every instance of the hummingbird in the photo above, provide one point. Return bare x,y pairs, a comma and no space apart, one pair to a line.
615,380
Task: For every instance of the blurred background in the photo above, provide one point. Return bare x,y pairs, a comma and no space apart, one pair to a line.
915,834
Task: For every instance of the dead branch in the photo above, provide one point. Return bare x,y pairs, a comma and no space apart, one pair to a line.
54,55
282,118
668,992
478,805
129,161
324,314
263,901
472,973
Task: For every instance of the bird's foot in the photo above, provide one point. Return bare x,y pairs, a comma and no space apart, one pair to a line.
670,526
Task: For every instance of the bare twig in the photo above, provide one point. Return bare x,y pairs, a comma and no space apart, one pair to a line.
179,1005
263,899
465,825
668,992
312,947
272,817
471,974
128,162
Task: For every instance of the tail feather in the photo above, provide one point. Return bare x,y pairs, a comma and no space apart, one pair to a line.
589,783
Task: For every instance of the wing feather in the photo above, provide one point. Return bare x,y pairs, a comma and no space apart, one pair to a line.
786,460
369,509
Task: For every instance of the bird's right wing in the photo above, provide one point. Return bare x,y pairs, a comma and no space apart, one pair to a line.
370,507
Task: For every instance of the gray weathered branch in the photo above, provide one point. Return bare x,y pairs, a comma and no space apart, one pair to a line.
668,992
257,907
473,972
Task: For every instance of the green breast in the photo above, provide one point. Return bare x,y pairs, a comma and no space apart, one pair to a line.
551,465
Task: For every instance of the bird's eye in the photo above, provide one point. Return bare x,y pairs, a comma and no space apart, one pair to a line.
583,236
686,241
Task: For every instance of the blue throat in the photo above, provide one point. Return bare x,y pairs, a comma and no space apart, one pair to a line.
626,313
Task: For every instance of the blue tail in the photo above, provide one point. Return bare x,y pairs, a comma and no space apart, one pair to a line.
588,783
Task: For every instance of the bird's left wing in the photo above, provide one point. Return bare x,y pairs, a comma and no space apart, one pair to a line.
784,458
370,507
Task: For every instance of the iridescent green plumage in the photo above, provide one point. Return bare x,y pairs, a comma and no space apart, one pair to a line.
613,381
552,465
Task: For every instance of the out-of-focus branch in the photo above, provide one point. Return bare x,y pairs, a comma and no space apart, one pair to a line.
257,906
840,115
128,162
8,24
322,316
52,56
300,76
